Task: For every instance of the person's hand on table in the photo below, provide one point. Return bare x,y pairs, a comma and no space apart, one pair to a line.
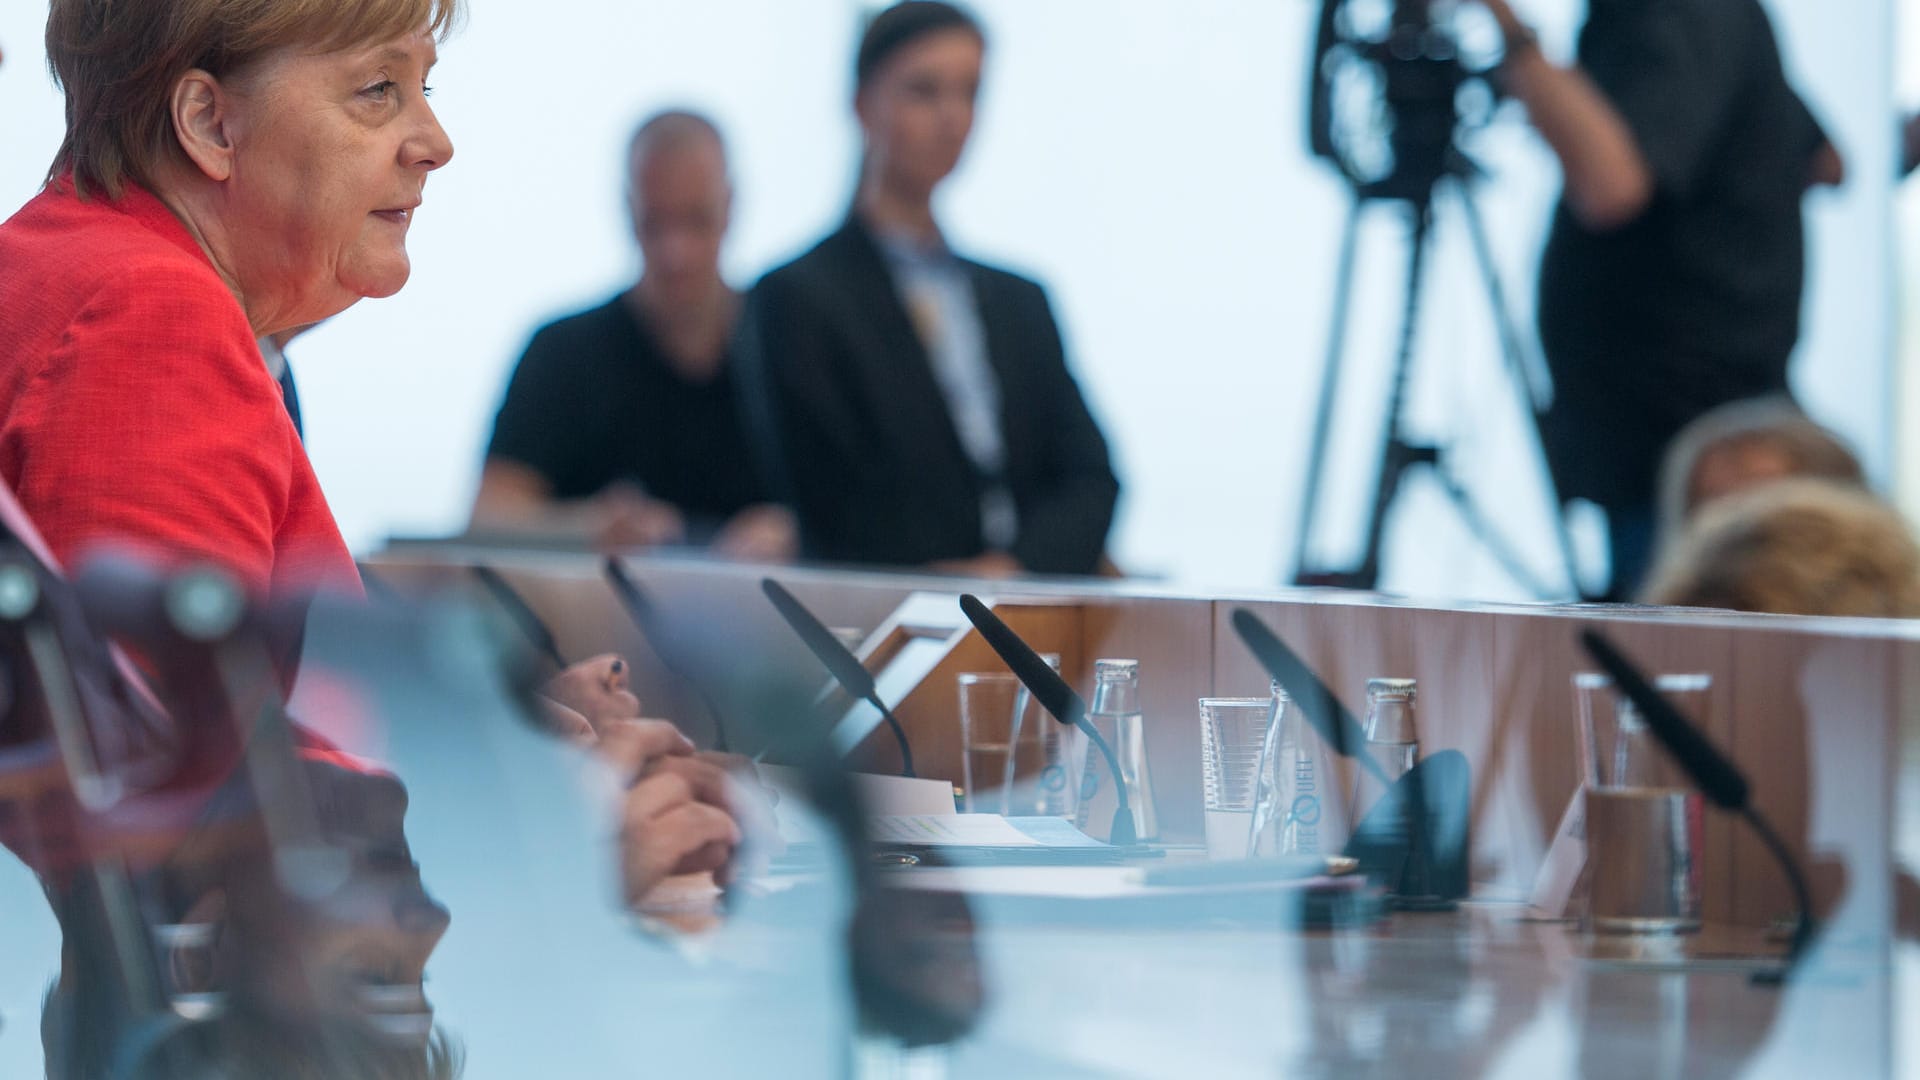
766,533
624,517
1829,169
751,803
676,811
595,690
993,564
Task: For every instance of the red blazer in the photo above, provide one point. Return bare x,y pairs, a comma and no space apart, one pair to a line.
135,409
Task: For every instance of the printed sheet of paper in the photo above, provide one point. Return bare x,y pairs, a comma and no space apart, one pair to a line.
947,830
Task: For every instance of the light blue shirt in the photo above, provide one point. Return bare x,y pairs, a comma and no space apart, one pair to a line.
938,294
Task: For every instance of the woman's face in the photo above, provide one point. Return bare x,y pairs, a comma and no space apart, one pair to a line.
330,154
354,956
917,109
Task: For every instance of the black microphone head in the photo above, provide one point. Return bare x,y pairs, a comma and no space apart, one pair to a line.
1317,703
1046,685
1055,696
523,616
639,606
1719,779
846,668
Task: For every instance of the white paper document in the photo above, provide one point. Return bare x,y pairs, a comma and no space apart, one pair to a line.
947,830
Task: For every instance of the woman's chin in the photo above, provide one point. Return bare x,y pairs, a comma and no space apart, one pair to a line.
383,282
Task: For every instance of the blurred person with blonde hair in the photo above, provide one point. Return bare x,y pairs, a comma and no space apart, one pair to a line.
1740,446
1794,547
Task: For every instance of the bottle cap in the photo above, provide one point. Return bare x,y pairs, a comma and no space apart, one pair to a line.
1392,688
1107,670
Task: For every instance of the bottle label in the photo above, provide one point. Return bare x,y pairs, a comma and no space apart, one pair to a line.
1304,813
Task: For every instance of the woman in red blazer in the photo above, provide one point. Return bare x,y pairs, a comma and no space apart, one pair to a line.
232,170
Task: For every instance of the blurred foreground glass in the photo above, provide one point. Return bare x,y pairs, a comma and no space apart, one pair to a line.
1233,736
1006,767
1643,817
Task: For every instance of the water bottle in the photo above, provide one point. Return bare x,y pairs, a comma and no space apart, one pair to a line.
1115,714
1298,807
1061,751
1393,737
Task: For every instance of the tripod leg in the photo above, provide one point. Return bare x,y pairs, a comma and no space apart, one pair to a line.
1490,538
1525,381
1329,392
1397,456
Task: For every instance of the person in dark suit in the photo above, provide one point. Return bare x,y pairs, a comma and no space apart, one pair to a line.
914,407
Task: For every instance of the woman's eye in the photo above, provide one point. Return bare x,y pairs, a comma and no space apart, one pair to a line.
379,91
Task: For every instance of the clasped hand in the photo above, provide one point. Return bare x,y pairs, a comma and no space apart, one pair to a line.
681,811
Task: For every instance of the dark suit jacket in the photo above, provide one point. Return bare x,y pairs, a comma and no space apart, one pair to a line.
849,421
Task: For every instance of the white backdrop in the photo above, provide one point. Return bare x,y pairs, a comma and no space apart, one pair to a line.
1144,158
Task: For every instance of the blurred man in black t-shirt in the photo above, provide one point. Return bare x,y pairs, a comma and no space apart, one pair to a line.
620,426
1672,279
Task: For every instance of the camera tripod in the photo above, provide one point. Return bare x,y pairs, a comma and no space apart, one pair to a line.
1400,453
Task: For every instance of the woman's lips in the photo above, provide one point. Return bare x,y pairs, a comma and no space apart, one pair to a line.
397,217
399,1011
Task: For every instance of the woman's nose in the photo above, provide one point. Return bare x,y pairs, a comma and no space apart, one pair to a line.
422,915
431,148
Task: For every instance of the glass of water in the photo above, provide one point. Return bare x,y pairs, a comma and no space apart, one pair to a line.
1003,767
1644,819
1233,733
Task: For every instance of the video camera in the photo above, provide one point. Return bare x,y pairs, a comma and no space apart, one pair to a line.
1389,90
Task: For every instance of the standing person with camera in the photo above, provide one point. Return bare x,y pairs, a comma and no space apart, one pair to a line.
1671,282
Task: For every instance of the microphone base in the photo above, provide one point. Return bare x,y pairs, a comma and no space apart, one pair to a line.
1420,858
1122,835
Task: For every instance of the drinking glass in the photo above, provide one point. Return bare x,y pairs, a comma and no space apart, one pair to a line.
1644,819
1003,767
1233,733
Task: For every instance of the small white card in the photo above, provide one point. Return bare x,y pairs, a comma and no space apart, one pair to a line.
1566,862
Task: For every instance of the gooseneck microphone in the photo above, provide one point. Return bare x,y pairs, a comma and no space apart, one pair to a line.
846,668
1055,696
1420,848
535,630
1718,779
654,628
1317,703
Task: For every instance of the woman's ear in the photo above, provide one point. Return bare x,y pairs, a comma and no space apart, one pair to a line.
195,940
201,109
863,108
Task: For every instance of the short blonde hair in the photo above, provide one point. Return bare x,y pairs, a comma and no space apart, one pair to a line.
118,61
1795,547
1772,422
